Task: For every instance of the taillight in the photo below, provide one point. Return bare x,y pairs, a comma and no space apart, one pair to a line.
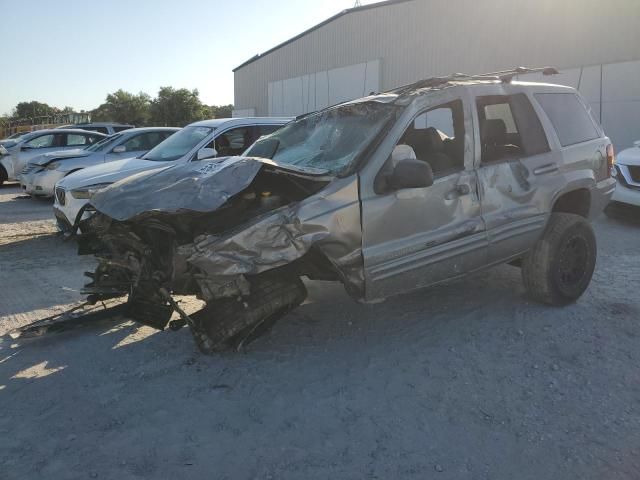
611,160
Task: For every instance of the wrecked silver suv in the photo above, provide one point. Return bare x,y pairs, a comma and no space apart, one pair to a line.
386,194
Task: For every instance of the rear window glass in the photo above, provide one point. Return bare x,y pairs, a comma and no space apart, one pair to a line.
569,117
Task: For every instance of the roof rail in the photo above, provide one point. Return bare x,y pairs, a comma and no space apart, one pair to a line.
504,76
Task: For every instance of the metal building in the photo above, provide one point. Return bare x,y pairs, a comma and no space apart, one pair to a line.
376,47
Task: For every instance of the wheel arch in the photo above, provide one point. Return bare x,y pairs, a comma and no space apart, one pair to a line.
576,200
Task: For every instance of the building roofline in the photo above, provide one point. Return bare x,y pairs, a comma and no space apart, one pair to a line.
318,26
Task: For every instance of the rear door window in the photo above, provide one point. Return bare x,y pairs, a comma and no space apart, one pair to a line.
569,117
509,128
77,140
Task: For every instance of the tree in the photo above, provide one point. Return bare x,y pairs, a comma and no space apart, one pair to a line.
221,111
177,108
32,109
124,107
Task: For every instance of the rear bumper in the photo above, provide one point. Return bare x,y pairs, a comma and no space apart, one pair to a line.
601,195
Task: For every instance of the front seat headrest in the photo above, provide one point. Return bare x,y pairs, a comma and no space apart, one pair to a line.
402,152
493,131
434,140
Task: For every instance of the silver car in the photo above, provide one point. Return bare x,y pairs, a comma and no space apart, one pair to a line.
15,154
40,175
195,142
385,194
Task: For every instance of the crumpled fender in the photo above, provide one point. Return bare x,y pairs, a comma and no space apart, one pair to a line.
329,220
271,241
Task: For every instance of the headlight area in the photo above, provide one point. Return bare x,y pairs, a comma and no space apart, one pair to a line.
85,193
3,151
52,166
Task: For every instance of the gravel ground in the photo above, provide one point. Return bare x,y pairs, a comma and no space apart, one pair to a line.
465,380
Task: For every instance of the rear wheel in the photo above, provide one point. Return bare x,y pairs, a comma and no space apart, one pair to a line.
559,268
233,322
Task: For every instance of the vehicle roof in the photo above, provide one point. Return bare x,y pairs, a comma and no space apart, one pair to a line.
233,122
103,124
147,129
66,130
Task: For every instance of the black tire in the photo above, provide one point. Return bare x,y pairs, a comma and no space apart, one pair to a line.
559,268
3,175
234,322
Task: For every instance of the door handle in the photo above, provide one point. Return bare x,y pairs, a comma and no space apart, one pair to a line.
459,191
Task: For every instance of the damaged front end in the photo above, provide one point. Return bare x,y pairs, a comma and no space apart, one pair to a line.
237,233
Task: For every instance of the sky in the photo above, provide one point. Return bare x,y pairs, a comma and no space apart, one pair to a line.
74,52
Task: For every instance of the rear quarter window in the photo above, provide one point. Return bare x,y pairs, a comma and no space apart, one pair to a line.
569,117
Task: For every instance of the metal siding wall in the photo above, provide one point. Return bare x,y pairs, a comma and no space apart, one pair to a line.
422,38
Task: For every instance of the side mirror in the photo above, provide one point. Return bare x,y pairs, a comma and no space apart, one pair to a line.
410,173
205,153
24,148
119,149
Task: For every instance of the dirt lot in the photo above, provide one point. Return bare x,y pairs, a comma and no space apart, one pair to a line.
466,380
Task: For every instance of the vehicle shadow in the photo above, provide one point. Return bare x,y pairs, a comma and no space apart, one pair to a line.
626,214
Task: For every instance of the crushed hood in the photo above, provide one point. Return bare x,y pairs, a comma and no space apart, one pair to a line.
61,155
196,186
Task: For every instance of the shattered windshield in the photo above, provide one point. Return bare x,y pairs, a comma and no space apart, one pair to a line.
328,140
178,144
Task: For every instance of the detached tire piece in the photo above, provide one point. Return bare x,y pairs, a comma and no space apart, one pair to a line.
234,322
559,268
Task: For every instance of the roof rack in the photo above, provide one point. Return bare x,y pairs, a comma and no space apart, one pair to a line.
504,76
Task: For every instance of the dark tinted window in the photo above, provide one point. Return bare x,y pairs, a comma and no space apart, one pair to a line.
569,117
509,128
120,129
233,142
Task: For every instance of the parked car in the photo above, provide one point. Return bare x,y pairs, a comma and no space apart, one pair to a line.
40,175
628,176
15,154
386,194
198,141
108,128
